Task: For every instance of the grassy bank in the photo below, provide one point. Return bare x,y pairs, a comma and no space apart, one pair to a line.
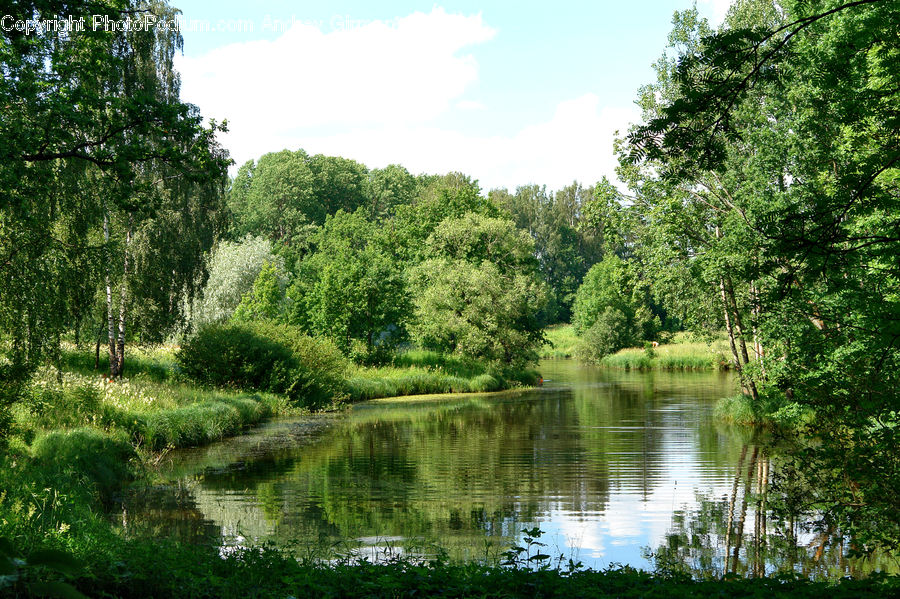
418,372
152,406
682,354
562,342
156,407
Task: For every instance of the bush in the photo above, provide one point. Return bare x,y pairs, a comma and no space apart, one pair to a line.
267,357
610,333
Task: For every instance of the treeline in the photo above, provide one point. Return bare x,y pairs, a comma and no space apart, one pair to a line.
375,259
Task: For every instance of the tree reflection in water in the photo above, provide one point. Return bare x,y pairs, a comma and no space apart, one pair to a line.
715,538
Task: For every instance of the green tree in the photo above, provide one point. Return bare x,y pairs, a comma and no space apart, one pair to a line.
266,300
122,152
564,251
477,294
233,268
808,155
438,198
350,289
611,308
390,187
274,197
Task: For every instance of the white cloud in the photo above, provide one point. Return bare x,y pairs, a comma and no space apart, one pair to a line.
576,143
714,10
373,93
470,105
405,72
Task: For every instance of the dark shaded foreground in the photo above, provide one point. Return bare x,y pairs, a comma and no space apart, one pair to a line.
158,570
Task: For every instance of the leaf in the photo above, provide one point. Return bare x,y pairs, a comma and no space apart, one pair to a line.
56,560
539,557
55,589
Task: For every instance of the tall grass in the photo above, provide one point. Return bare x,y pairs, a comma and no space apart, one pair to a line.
418,372
562,342
771,409
688,356
155,415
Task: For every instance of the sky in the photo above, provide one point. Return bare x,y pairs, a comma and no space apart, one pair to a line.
510,93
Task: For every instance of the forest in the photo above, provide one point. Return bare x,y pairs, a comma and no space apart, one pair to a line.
150,300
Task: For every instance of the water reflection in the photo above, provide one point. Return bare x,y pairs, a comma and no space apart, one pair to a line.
607,464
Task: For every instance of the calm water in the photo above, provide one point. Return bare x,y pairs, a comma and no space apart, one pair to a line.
609,465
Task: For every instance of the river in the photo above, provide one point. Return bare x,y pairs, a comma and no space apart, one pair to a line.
612,467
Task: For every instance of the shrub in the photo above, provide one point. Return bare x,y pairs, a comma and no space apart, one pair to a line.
267,357
610,333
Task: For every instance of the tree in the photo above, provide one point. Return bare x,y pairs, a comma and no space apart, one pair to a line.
350,289
266,300
611,308
477,294
338,184
477,312
563,251
390,187
439,198
275,197
121,148
233,269
795,110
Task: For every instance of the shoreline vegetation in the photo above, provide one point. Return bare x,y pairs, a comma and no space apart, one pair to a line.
682,351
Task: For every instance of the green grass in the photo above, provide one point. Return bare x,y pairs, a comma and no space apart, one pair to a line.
772,409
153,406
420,372
683,353
562,342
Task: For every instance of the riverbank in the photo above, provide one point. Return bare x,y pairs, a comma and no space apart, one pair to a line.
158,408
77,438
683,352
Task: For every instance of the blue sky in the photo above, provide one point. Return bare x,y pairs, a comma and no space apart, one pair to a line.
508,92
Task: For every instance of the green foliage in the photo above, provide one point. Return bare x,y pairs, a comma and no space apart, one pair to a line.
266,300
477,239
267,357
610,310
477,311
609,333
564,249
769,186
450,196
196,571
351,289
478,295
124,150
233,269
30,572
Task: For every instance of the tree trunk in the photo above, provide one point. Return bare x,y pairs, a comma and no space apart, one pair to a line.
120,350
111,337
739,327
734,352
